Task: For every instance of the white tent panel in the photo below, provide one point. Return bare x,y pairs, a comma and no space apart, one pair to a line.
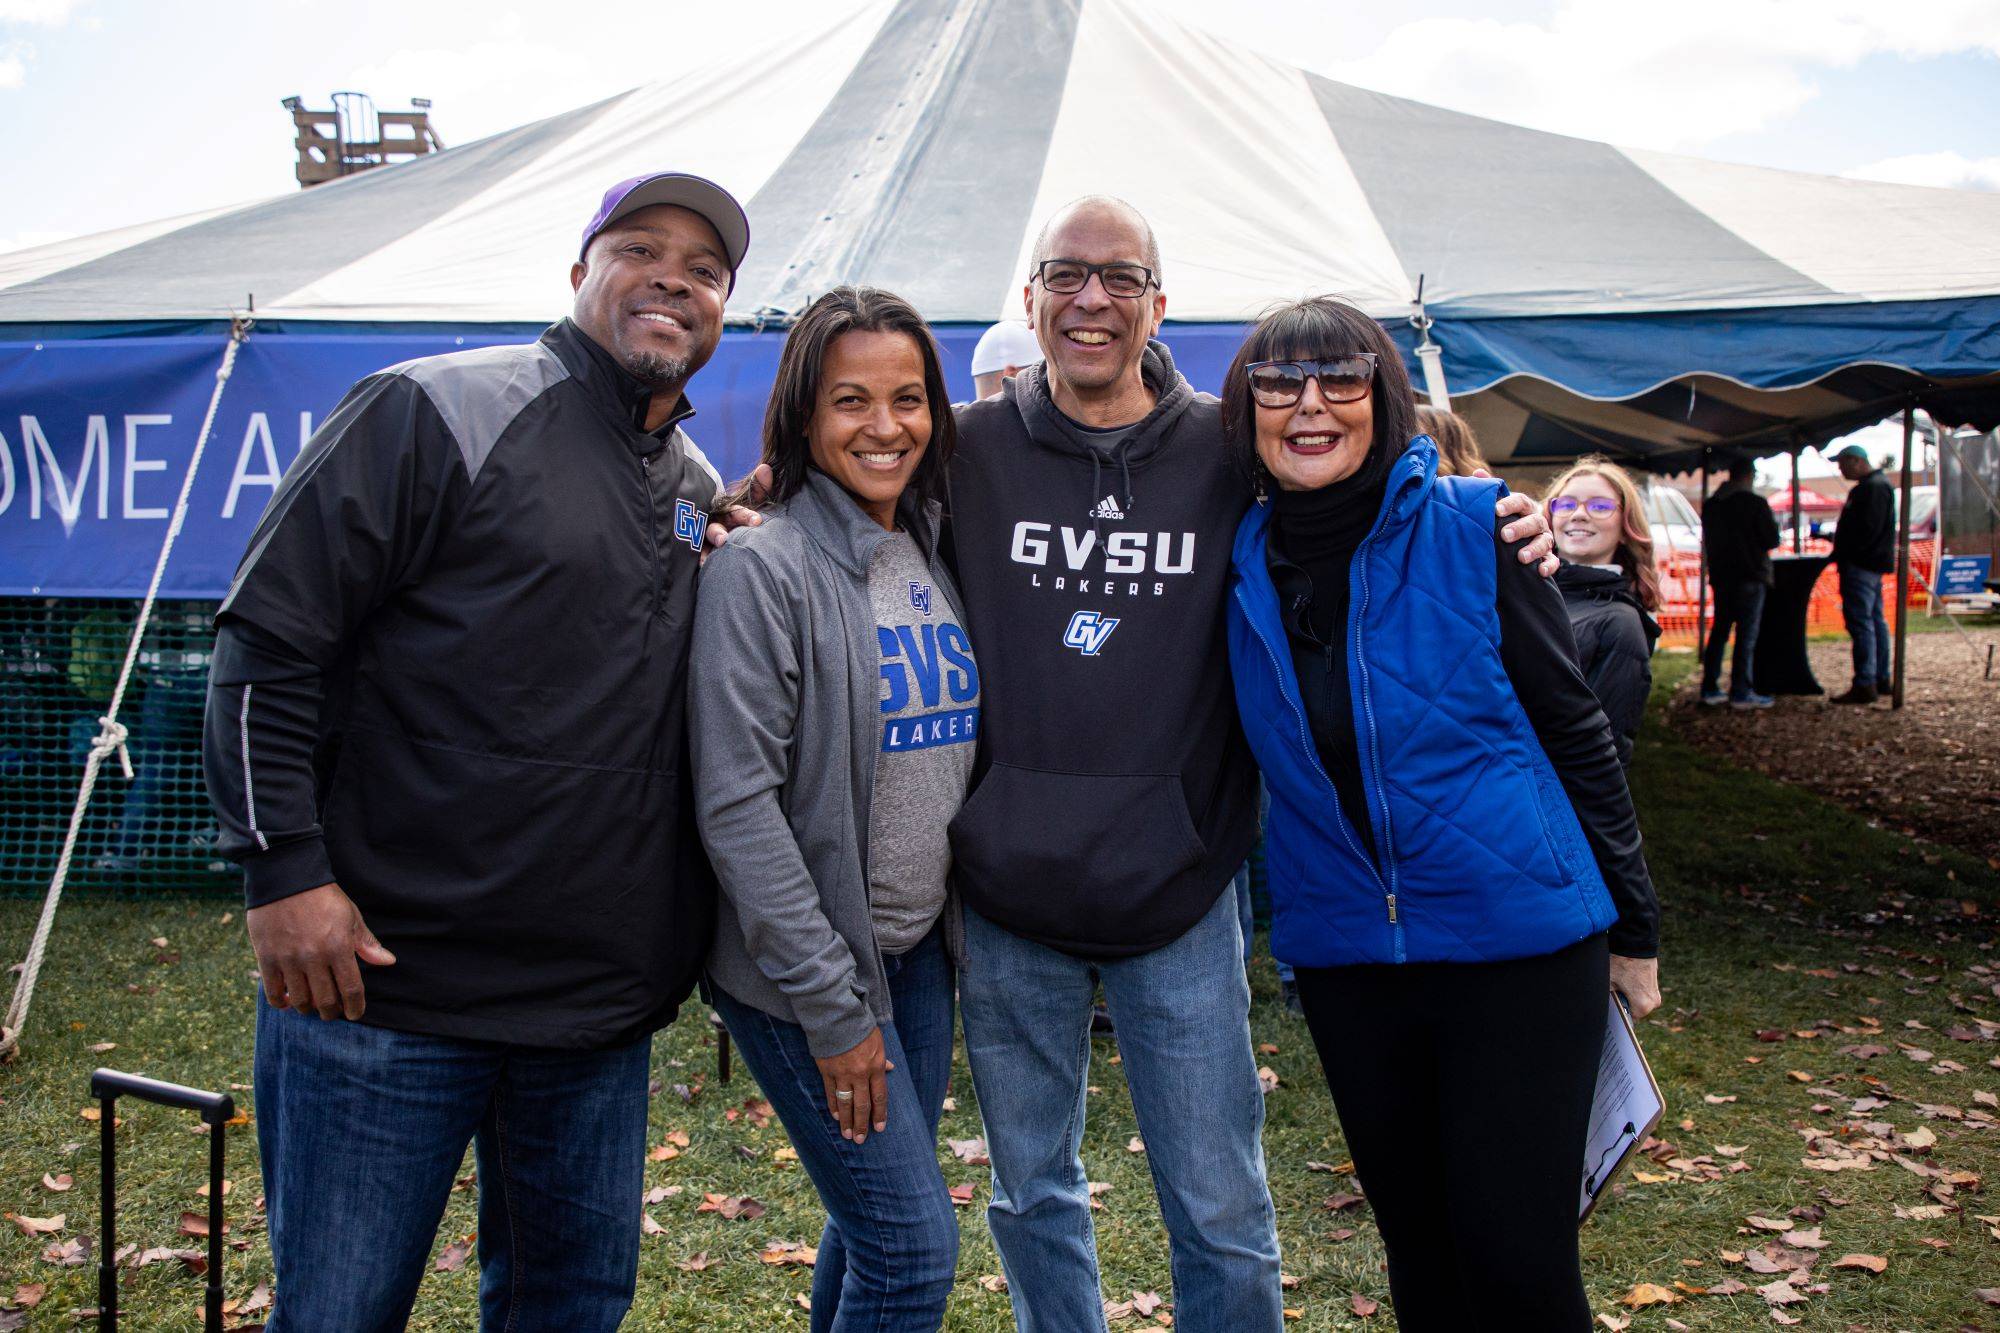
734,122
1867,240
1228,156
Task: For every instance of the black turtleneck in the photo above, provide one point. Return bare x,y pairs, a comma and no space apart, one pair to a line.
1313,538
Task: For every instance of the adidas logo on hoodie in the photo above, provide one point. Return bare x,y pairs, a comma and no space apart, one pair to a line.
1107,508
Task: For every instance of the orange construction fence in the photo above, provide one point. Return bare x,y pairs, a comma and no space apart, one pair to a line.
1680,576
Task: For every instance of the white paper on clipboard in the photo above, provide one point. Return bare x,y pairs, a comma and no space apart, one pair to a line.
1624,1111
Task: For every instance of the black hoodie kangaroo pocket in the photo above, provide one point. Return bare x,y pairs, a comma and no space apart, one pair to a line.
1063,856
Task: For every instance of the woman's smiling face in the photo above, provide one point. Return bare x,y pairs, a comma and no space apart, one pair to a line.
1314,442
872,421
1585,538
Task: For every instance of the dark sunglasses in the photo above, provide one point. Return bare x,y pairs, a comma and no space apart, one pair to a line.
1066,277
1342,379
1598,507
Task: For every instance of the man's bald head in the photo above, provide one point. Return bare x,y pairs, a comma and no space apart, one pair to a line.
1098,205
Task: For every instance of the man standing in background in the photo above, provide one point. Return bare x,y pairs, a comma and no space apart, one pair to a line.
1003,351
1738,531
1864,549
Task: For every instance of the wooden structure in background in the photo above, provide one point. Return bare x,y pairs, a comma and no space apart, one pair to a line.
353,136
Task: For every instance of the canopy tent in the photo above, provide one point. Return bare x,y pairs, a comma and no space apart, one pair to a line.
1583,296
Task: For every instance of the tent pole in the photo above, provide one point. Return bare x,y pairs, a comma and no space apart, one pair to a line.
1903,558
1798,518
1701,583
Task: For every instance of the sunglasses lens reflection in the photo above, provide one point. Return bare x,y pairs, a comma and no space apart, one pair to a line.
1277,386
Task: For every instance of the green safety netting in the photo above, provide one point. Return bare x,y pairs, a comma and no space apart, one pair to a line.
152,835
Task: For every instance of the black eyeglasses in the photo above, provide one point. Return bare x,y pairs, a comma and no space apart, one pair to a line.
1066,277
1597,506
1342,379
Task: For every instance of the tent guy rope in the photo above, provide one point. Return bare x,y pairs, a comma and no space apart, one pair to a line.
112,733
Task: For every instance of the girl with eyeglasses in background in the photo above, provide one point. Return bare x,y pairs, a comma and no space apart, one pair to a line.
1610,586
1455,867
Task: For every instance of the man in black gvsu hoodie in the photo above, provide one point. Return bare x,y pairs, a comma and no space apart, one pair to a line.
446,736
1092,509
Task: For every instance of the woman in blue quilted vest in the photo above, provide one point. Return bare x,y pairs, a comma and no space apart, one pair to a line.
1455,868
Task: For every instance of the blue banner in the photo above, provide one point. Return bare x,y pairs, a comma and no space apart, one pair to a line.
95,437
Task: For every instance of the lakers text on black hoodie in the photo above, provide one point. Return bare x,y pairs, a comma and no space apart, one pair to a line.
1116,796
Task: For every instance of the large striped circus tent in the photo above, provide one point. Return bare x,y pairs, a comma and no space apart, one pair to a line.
1582,296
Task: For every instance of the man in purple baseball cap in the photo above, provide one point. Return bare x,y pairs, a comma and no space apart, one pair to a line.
476,587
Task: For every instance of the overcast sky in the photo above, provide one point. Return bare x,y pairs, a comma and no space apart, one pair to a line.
119,111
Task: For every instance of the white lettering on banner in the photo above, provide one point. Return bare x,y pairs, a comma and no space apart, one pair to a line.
1124,552
69,502
256,434
134,465
6,475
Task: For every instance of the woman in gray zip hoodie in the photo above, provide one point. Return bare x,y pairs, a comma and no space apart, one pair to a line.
834,709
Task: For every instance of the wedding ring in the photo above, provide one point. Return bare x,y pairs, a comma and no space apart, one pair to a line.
843,1094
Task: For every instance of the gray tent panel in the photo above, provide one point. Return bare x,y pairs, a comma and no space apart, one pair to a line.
933,208
1479,206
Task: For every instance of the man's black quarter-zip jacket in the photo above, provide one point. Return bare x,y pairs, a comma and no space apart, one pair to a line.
450,676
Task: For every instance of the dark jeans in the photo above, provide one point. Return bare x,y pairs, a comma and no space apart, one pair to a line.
1861,608
1464,1091
1739,605
889,1253
362,1131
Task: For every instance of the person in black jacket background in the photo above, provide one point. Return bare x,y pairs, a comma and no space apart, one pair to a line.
1610,587
1738,531
1864,549
446,737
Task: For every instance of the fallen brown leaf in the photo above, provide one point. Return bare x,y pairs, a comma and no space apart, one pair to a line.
39,1226
1363,1306
1648,1293
1873,1263
58,1184
453,1256
789,1252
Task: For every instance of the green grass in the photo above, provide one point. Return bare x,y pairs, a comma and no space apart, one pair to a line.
1759,883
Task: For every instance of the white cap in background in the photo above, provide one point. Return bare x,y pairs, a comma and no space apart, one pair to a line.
1009,343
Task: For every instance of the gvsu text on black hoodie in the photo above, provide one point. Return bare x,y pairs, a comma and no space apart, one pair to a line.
1117,796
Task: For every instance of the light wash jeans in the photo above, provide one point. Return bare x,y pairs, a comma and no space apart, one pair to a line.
1183,1019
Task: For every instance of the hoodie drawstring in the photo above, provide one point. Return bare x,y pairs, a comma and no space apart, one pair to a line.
1097,480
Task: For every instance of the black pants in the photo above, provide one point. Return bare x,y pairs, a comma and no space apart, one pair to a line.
1739,606
1464,1090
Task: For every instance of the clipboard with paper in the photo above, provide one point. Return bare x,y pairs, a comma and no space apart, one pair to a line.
1625,1109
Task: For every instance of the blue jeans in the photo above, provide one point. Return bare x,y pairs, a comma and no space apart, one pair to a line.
1183,1020
362,1131
889,1253
1861,608
1739,605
